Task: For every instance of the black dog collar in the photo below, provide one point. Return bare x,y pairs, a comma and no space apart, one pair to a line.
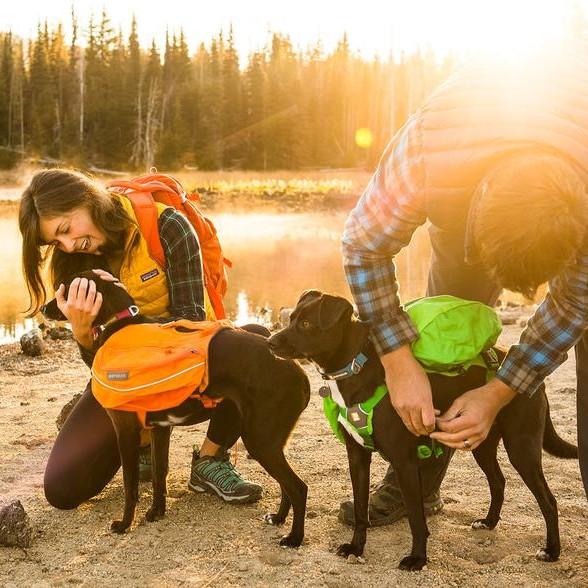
351,369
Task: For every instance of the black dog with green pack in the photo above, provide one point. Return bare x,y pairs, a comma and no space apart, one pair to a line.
456,348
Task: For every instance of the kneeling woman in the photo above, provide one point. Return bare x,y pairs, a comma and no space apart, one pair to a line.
84,226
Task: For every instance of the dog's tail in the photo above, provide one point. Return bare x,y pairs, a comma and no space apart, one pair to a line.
553,443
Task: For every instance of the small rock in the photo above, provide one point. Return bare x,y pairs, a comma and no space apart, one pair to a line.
311,514
32,343
353,559
15,526
566,391
506,319
67,408
59,333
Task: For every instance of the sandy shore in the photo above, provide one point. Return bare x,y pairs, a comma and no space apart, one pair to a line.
203,542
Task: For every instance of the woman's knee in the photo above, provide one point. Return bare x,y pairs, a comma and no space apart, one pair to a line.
58,491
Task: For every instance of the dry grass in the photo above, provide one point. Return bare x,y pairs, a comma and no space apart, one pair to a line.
255,184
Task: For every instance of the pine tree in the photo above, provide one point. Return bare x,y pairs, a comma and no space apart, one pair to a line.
255,89
115,104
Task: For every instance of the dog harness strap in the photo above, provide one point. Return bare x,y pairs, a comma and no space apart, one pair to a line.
335,393
351,369
356,419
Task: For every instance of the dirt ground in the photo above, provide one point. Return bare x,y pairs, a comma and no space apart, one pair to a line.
203,542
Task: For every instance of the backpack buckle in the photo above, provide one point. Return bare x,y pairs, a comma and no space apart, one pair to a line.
491,359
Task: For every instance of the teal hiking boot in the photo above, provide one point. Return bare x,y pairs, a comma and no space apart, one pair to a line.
219,476
145,464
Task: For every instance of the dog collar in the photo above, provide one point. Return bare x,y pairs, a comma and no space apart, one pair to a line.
351,369
131,311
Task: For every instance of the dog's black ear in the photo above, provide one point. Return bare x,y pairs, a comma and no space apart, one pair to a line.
333,309
308,295
52,312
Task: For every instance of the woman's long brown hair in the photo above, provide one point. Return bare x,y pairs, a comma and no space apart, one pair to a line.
53,192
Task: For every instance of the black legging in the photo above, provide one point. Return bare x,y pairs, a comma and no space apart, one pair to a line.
85,455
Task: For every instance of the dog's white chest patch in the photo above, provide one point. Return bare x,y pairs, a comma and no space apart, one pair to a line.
169,420
335,393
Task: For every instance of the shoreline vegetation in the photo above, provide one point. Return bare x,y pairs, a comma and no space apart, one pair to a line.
240,190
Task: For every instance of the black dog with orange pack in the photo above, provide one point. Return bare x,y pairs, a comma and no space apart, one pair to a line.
149,374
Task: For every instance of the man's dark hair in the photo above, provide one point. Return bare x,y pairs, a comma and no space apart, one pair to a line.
529,220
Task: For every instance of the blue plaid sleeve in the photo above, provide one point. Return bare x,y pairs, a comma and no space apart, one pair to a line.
184,266
382,223
556,326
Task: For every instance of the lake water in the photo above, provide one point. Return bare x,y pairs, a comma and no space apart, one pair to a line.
275,257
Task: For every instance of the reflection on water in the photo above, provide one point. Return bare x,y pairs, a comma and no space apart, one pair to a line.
275,257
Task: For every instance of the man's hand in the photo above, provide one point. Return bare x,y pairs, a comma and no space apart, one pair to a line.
410,391
80,308
468,420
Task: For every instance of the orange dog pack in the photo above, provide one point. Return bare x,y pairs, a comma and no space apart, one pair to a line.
152,366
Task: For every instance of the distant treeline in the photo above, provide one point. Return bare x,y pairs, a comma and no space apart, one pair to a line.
114,104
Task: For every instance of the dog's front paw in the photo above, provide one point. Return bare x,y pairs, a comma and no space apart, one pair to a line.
347,549
546,554
155,513
119,527
291,541
412,563
273,519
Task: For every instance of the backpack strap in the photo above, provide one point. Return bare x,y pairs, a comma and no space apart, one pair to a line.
146,212
150,185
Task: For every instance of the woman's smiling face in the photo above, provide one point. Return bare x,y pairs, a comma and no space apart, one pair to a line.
71,232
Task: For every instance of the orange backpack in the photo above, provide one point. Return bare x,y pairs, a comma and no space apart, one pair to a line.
143,192
153,366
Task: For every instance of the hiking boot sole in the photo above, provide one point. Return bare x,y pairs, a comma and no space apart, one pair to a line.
203,486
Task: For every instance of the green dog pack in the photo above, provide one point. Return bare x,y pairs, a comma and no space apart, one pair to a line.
454,334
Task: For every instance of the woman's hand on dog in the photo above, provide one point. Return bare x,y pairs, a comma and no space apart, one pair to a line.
410,390
467,422
80,308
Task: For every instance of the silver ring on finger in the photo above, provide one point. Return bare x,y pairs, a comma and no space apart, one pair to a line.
467,445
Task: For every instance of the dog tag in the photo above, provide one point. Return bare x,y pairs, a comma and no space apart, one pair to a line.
324,391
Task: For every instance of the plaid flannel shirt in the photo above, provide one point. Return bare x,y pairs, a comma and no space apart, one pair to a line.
184,266
383,222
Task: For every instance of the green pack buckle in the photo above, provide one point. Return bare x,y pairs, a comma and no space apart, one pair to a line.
491,359
425,452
